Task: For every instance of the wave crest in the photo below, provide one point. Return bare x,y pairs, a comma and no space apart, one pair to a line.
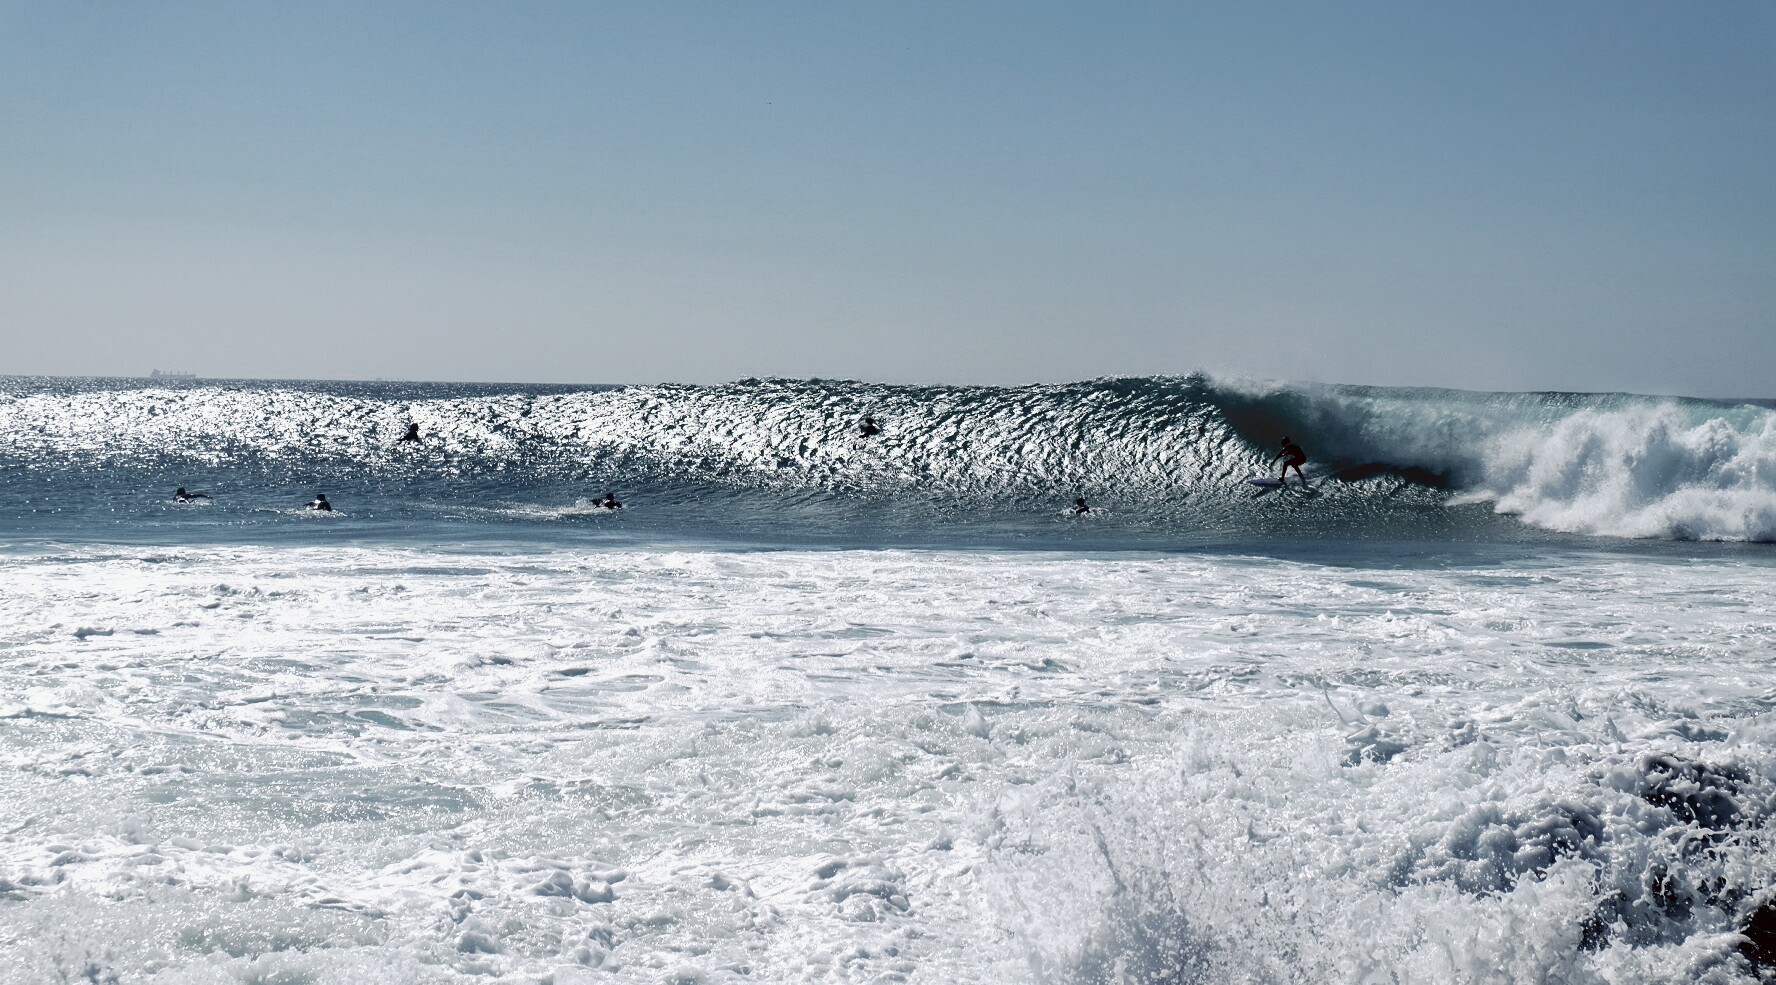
1610,465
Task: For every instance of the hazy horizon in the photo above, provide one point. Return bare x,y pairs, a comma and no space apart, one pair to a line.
1514,198
1225,378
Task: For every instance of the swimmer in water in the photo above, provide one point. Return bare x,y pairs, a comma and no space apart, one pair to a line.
869,428
411,435
1292,456
181,496
609,502
1079,507
320,503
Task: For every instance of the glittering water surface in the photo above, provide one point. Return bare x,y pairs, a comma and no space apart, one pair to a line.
333,762
1485,699
1164,462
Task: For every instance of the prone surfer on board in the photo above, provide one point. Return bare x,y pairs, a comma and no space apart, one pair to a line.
1292,455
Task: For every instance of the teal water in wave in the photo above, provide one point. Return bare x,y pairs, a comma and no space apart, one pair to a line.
1163,463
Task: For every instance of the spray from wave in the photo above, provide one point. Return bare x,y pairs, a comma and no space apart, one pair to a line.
1614,465
1610,465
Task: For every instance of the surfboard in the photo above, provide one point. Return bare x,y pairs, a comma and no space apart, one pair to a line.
1264,482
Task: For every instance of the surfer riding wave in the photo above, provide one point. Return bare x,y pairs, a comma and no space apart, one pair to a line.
1293,457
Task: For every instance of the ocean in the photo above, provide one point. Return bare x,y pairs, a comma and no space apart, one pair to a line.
1487,699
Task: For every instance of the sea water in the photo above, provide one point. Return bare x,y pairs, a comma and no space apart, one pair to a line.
1488,699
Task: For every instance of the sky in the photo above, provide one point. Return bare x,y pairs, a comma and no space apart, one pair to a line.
1572,196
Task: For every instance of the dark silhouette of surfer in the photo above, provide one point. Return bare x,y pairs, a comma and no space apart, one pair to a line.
609,502
1079,507
320,503
181,496
411,435
1292,455
869,428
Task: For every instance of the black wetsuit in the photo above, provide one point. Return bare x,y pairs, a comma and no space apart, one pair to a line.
411,435
1293,457
320,504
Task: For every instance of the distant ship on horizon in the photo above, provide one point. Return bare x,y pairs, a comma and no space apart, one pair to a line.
158,375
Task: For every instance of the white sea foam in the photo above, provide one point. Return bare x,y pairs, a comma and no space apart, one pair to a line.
327,764
1644,471
1612,465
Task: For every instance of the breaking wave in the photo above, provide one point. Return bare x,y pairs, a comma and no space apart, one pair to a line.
1611,465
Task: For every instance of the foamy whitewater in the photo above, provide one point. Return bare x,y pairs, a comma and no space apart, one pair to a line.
1488,699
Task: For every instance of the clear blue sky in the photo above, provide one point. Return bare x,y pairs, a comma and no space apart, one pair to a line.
1501,195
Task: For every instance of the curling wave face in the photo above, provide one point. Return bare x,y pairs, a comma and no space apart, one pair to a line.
1162,457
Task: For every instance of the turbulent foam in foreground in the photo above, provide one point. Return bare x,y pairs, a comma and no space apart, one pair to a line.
337,764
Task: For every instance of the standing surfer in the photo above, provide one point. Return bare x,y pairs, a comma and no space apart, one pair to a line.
411,435
1292,455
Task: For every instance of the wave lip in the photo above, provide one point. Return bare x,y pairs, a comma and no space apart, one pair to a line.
1612,465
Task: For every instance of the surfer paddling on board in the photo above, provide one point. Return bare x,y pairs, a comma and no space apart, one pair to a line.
1079,507
320,504
869,428
1292,455
181,496
609,502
